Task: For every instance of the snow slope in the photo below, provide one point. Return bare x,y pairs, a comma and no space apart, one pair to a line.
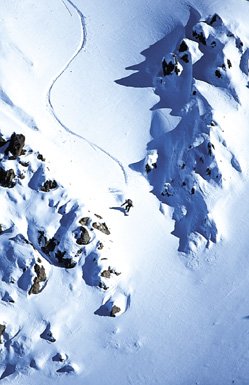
111,125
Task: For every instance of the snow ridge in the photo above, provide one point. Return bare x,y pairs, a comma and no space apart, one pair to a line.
189,163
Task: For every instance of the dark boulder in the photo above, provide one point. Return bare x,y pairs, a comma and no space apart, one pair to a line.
2,330
185,58
103,286
40,277
218,74
50,246
98,216
40,272
59,357
113,271
83,236
6,178
183,47
84,221
100,245
215,20
47,334
60,255
170,65
49,185
41,157
168,68
66,369
106,273
42,239
148,168
208,171
17,142
101,227
79,252
68,263
200,37
114,311
35,288
239,44
24,164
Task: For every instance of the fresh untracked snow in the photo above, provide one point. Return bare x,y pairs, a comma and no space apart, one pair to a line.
102,101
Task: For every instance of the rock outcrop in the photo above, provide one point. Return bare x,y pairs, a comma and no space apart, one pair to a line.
16,145
7,178
40,277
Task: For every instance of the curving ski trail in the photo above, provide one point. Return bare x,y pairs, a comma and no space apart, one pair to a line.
67,8
81,46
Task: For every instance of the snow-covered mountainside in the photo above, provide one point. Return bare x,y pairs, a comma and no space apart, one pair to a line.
91,293
191,158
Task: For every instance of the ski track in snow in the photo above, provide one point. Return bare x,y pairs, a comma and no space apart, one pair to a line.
82,45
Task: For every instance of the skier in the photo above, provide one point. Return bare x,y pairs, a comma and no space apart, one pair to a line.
127,205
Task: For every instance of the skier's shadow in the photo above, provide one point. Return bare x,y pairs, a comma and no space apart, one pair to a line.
121,209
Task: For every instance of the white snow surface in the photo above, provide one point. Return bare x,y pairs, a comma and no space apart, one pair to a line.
83,81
